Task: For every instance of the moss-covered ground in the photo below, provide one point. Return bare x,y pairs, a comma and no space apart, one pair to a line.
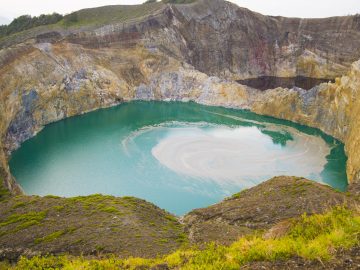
88,225
315,237
264,224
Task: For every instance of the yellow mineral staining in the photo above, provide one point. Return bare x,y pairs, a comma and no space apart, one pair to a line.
71,79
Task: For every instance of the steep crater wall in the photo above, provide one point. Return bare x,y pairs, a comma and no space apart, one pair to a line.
225,40
185,52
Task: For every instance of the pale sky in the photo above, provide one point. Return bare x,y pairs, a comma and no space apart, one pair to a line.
290,8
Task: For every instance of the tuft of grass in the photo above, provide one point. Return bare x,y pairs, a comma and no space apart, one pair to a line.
23,221
310,237
171,218
182,238
53,236
237,195
21,218
110,209
59,207
4,193
52,197
163,241
50,237
18,204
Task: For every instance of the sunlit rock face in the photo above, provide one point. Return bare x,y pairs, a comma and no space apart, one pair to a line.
184,52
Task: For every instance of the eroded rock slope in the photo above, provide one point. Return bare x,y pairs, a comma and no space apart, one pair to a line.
182,52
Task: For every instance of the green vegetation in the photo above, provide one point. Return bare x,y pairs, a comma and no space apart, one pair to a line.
25,22
22,218
237,195
70,19
50,237
23,221
310,237
59,207
92,16
51,197
53,236
108,14
18,205
47,224
85,17
98,202
298,188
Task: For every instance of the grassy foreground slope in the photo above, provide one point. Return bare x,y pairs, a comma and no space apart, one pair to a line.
315,237
88,225
261,208
104,232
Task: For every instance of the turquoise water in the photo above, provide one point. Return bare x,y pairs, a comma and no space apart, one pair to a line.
179,156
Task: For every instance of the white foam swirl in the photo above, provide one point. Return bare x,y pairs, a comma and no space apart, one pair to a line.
236,155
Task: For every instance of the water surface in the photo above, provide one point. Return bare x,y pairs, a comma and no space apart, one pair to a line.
179,156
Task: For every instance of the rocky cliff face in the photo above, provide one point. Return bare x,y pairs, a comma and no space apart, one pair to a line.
225,40
184,52
221,39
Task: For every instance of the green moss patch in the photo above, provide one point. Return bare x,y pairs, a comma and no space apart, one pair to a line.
80,225
53,236
22,221
315,237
